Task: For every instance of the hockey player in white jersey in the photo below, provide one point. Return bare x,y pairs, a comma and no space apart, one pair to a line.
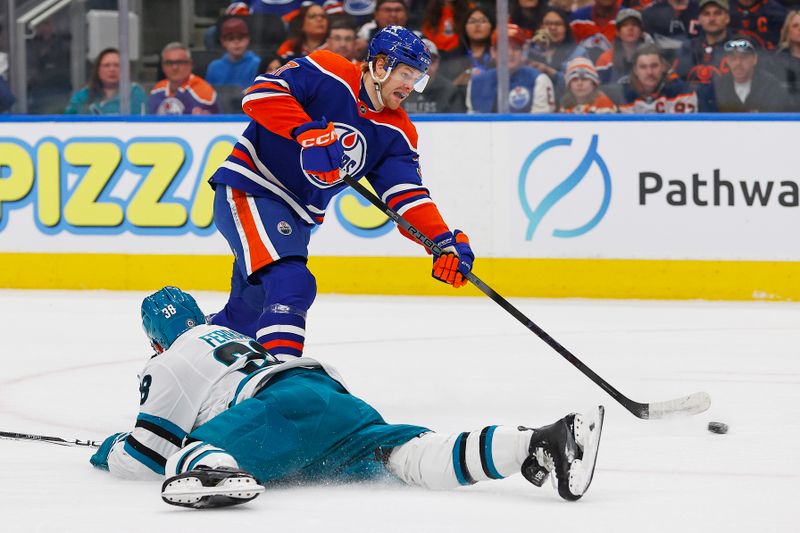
220,418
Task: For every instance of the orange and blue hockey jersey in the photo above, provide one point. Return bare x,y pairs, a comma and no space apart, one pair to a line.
379,145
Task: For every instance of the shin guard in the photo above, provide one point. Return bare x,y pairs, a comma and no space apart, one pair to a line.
290,290
441,461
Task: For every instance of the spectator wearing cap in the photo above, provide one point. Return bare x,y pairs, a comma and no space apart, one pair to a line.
308,31
530,90
181,93
584,96
553,47
441,23
238,66
617,62
440,95
747,88
594,27
474,54
702,58
761,20
784,64
650,89
671,23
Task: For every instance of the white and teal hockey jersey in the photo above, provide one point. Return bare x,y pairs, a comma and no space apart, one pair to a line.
206,370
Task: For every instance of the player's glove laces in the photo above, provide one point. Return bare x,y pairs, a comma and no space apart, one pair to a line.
456,261
321,155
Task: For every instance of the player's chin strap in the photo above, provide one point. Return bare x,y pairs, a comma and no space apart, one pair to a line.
378,81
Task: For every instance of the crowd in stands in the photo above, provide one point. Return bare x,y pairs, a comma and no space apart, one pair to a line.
567,56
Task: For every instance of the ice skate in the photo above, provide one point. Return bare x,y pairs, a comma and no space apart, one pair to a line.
204,488
568,449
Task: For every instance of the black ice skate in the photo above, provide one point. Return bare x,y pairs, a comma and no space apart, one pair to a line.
204,488
568,449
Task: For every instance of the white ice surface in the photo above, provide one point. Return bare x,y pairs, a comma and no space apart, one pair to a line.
69,362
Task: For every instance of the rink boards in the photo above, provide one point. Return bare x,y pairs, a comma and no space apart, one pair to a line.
705,207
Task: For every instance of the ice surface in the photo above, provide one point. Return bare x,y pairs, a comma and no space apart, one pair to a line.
70,361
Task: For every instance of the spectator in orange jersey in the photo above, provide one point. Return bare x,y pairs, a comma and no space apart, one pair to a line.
650,88
307,32
617,62
702,58
583,90
442,20
181,93
594,27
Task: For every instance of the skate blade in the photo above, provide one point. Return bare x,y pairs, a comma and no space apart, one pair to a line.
587,435
232,488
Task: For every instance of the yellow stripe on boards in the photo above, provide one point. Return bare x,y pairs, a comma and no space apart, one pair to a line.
547,278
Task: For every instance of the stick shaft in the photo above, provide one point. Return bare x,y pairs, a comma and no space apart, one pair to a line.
639,410
10,435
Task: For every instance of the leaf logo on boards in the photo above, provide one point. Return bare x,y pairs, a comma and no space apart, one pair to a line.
530,170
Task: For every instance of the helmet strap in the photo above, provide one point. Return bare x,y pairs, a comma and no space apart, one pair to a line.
378,81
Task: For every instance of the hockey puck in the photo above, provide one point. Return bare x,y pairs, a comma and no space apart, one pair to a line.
718,427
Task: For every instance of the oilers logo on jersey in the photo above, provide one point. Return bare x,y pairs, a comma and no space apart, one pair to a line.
355,148
284,228
171,106
519,98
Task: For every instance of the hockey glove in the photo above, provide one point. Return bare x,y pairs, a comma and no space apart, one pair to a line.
100,458
456,260
321,155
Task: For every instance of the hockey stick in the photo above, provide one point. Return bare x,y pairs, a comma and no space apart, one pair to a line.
687,405
49,440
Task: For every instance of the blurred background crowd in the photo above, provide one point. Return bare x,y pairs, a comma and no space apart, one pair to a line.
564,56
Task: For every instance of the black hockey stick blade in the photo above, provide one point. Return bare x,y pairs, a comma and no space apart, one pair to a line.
58,441
688,405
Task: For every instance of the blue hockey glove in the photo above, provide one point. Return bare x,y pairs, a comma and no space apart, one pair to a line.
100,458
456,261
322,151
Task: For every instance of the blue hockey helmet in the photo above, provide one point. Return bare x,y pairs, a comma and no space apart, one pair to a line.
167,313
401,45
